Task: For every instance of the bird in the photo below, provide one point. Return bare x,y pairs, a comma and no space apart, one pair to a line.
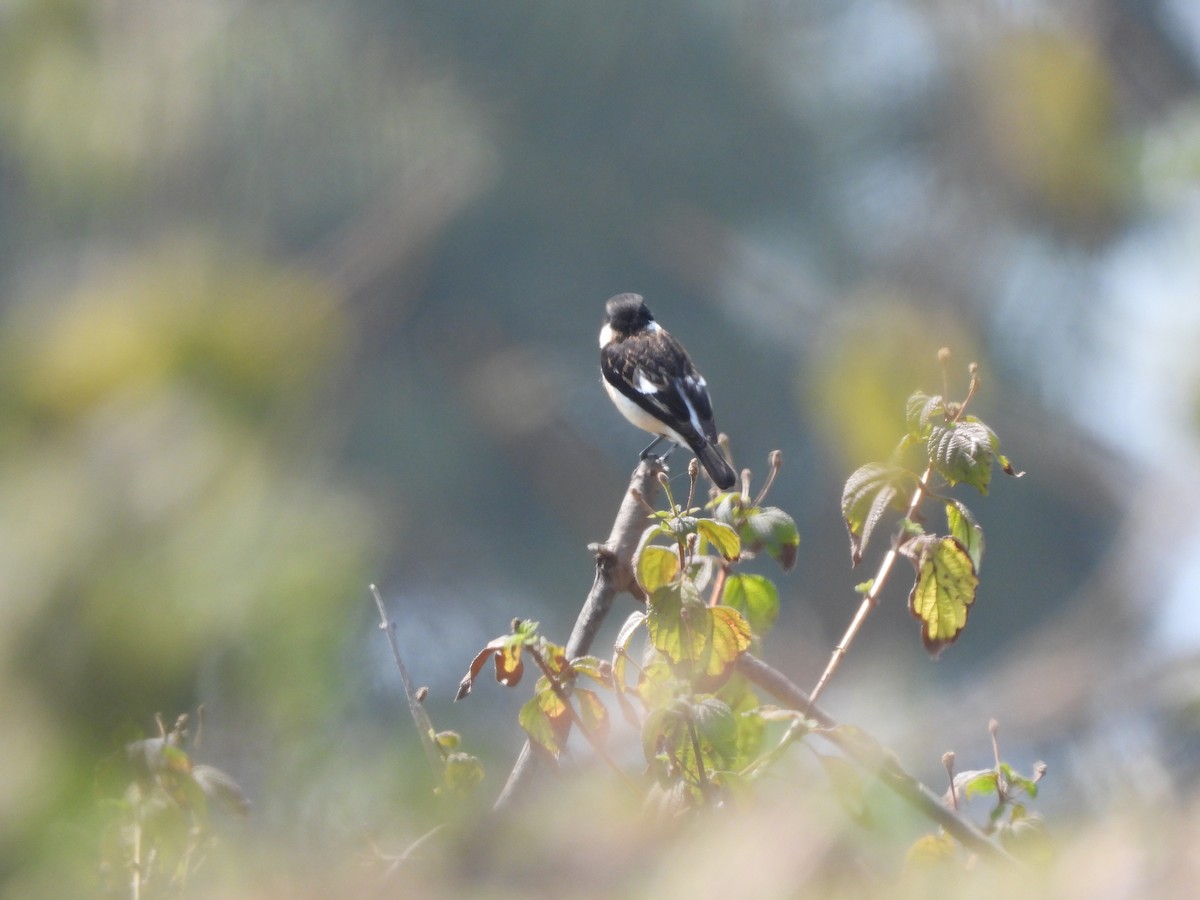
654,384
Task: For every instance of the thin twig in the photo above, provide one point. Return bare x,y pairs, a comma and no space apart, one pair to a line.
872,596
420,718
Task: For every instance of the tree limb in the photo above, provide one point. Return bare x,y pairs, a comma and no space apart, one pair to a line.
614,573
873,757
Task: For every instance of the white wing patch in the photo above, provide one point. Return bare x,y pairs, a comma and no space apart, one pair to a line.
695,419
644,384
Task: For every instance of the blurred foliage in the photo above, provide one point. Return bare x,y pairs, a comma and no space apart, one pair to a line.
265,268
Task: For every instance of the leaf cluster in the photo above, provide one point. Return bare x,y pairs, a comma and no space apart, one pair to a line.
697,719
953,448
159,830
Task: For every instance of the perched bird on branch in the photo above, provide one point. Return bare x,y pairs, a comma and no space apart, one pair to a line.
654,384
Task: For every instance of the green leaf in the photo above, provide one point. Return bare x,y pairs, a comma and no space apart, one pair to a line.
663,734
656,566
448,740
620,658
755,597
721,536
772,530
599,670
966,530
656,683
944,590
664,622
868,492
962,451
592,713
932,851
976,783
727,637
545,719
717,726
462,774
920,410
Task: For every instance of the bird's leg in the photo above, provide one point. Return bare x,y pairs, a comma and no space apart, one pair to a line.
654,443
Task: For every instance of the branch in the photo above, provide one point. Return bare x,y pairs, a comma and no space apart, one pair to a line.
421,718
872,596
873,757
614,573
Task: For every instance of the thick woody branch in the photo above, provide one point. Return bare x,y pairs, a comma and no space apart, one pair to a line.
614,574
872,757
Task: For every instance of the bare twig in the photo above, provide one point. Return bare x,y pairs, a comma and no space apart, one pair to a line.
614,573
421,719
872,596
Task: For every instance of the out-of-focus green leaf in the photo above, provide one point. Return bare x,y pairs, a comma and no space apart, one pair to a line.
721,536
592,713
656,566
755,597
462,774
772,531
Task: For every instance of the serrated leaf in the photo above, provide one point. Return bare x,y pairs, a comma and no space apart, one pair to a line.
966,530
721,536
755,597
944,591
728,638
656,566
867,494
962,452
772,530
920,411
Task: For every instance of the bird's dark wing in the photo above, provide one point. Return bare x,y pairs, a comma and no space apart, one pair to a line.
654,371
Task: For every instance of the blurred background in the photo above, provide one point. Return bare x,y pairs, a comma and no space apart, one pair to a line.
297,296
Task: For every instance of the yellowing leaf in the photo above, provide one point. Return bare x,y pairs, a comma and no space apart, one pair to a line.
755,597
592,713
966,529
656,566
721,536
944,591
730,639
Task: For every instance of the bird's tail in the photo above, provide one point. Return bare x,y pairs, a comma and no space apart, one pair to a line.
715,465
